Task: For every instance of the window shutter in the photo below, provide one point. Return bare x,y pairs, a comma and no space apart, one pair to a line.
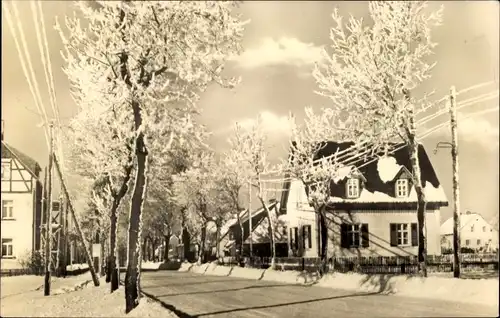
365,240
296,230
414,234
309,236
304,237
344,237
394,235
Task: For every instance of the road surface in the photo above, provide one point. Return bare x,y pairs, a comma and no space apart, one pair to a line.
193,295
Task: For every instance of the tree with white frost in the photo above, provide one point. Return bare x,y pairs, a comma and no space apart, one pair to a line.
369,77
101,149
317,174
196,189
251,156
232,180
147,55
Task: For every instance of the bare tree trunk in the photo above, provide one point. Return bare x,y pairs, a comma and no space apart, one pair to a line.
167,243
271,233
153,247
421,207
113,259
132,277
101,263
201,251
323,228
240,244
217,240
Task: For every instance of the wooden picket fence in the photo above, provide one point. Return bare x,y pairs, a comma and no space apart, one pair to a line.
23,271
373,265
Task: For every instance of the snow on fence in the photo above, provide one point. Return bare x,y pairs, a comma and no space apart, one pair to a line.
373,265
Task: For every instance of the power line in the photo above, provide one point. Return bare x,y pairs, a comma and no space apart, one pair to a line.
23,65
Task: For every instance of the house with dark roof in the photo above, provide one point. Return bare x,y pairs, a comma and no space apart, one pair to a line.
372,208
255,233
21,205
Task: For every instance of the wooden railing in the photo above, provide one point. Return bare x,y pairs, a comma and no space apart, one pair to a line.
372,265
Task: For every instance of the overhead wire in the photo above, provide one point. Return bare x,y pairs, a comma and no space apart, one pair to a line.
50,82
24,68
465,103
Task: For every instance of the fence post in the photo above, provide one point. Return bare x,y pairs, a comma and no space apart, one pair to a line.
303,264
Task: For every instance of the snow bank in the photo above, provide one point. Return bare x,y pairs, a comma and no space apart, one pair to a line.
150,265
85,302
476,291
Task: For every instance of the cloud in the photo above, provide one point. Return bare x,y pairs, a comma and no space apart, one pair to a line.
478,129
271,124
284,51
474,129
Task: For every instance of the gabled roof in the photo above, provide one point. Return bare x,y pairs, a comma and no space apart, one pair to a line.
29,163
375,189
257,216
465,220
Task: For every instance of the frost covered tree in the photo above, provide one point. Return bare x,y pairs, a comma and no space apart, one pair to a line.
196,189
147,55
232,179
316,173
250,155
369,76
101,149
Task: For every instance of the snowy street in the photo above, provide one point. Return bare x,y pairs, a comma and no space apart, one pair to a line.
195,295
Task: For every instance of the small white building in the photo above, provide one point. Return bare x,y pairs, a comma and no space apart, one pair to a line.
475,233
21,206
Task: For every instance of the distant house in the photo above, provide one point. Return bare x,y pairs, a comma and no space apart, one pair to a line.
373,208
475,233
231,233
21,205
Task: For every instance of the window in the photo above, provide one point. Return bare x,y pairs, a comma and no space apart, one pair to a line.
7,249
478,242
7,209
284,230
400,234
402,188
472,228
467,242
294,242
352,188
484,228
306,236
354,235
5,170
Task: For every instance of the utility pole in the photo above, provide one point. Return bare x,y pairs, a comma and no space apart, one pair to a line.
250,218
48,217
78,229
456,187
62,259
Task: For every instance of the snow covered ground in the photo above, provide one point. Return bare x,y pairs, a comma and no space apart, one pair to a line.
477,291
71,297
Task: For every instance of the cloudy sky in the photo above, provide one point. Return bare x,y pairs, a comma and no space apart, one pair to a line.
281,43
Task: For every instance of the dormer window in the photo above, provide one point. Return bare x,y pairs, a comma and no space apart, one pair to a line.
353,188
401,188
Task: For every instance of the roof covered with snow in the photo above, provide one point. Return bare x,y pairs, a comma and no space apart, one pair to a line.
465,219
29,163
380,177
257,216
